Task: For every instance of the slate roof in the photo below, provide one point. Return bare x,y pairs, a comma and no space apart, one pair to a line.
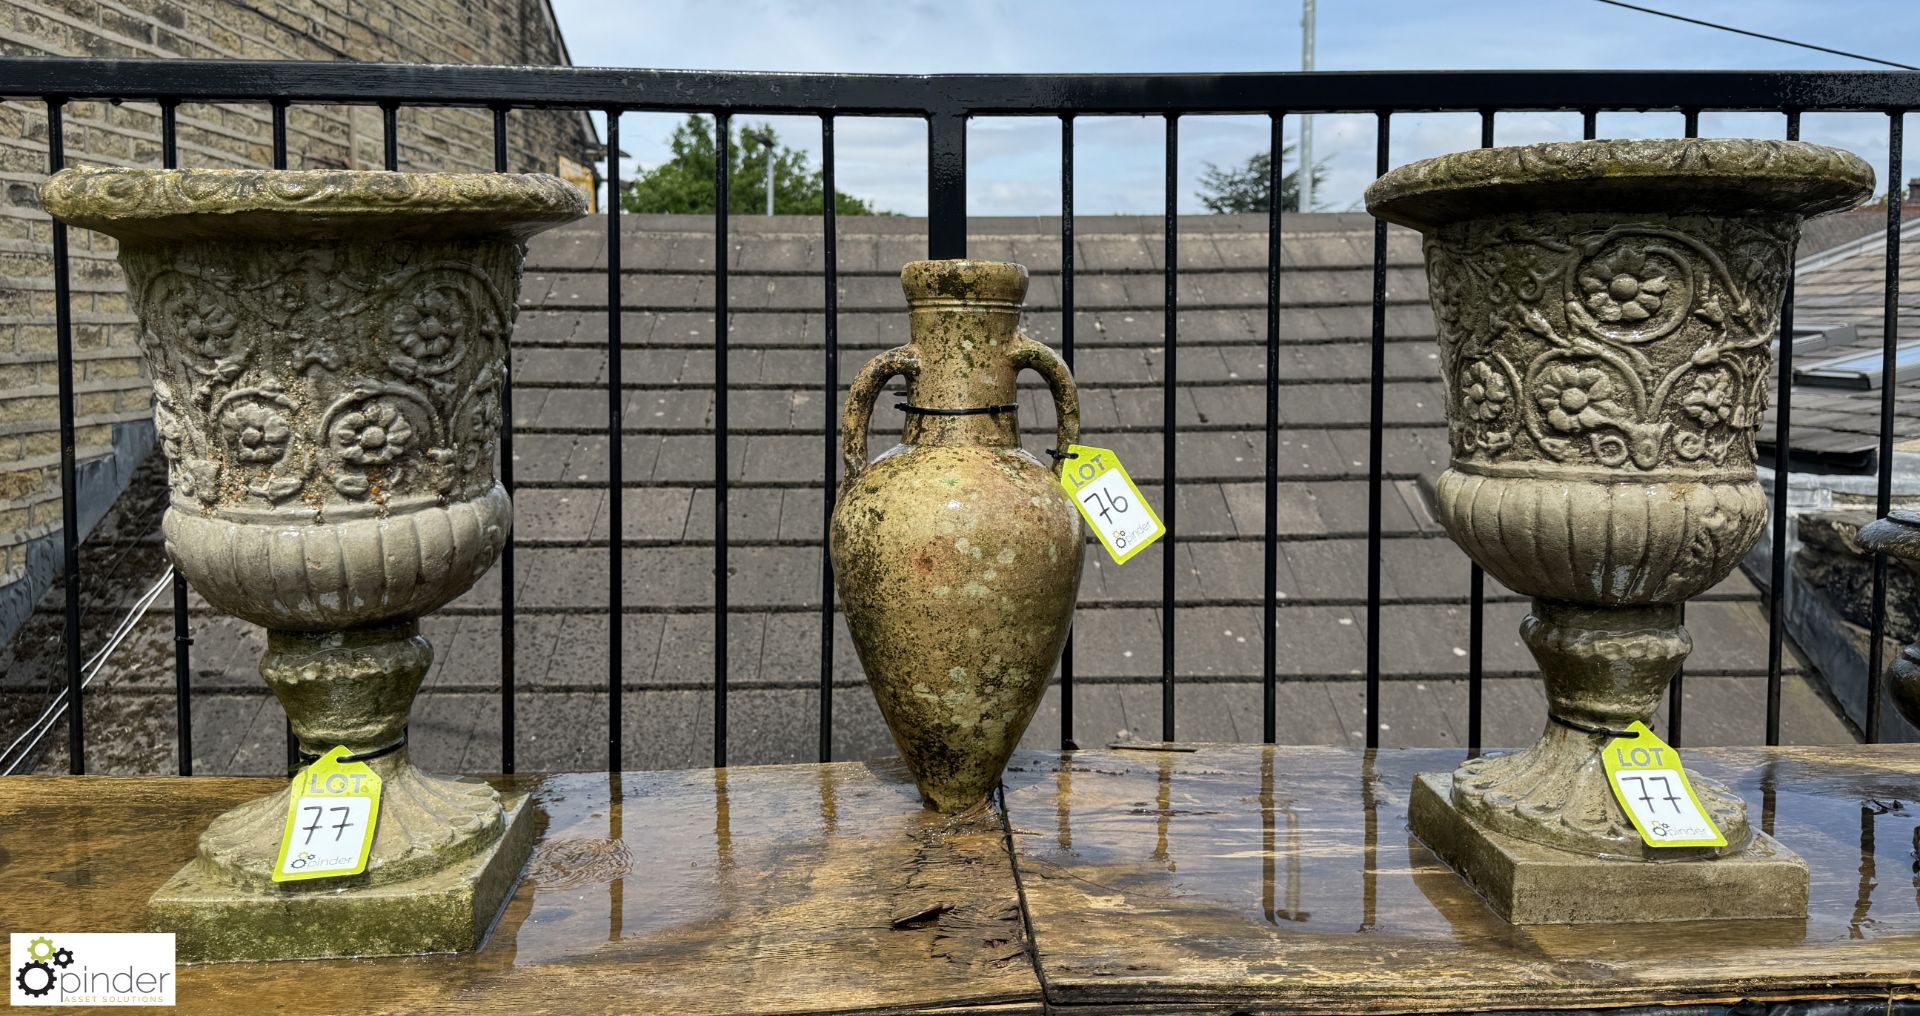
776,462
1847,286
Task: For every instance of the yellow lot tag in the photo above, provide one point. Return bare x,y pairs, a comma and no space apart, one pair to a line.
1109,501
330,820
1651,784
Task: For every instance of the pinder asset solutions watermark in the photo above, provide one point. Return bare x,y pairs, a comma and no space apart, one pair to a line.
92,969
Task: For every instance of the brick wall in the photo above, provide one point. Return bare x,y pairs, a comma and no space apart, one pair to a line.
113,398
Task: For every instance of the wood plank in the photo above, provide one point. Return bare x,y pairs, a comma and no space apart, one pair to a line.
790,889
1243,879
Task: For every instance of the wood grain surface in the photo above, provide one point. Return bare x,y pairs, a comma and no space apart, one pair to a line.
1212,879
793,889
1241,879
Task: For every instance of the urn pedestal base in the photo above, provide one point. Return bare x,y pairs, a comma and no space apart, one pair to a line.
447,911
1527,883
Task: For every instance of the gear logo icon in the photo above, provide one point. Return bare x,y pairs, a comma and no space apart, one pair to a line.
35,971
36,976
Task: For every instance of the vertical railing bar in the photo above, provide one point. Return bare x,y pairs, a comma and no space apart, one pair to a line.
1169,451
830,225
279,120
1375,442
1589,124
508,691
170,133
1676,688
1477,589
389,136
946,184
722,155
616,463
279,133
69,487
1889,343
1066,353
1782,465
182,630
1269,605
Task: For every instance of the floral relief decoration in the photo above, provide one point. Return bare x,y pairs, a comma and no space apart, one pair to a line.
1636,347
264,390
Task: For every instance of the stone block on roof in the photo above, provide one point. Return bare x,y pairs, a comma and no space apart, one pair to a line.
753,514
685,652
1099,718
558,515
1227,570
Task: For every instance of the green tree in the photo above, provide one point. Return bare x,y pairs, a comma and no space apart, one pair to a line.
684,183
1244,188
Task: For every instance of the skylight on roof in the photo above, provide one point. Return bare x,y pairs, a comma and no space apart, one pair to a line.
1861,371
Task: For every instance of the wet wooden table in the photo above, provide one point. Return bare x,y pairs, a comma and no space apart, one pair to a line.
1212,879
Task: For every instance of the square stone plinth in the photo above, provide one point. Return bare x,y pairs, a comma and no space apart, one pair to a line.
448,911
1527,883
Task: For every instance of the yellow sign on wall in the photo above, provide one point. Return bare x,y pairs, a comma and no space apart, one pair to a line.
582,177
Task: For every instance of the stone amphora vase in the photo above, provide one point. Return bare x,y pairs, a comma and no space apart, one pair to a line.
327,351
1604,312
956,553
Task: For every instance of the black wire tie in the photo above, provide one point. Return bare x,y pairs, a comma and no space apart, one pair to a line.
908,407
1589,729
365,756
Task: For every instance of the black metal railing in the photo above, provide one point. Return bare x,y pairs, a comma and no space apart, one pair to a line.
946,103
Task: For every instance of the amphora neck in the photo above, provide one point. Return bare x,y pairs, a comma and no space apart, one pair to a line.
964,319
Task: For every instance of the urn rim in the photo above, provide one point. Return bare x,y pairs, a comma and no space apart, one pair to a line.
964,281
276,205
1702,175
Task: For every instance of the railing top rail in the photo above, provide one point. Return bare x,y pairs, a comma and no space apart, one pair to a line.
637,90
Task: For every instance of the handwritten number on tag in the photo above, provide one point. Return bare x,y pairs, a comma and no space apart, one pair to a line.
1651,784
1109,501
330,820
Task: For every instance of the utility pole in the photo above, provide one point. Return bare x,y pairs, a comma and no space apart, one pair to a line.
766,141
1306,121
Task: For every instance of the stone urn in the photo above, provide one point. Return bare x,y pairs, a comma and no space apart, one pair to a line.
1604,312
327,351
957,554
1898,536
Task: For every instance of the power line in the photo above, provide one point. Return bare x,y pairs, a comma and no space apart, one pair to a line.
1760,35
45,724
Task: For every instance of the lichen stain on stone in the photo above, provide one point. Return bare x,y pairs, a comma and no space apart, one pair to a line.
280,313
929,620
1604,311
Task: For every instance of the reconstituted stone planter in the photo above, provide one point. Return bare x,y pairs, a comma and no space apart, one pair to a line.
956,553
1604,312
327,351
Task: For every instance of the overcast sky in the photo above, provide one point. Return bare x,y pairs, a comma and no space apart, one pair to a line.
1014,163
